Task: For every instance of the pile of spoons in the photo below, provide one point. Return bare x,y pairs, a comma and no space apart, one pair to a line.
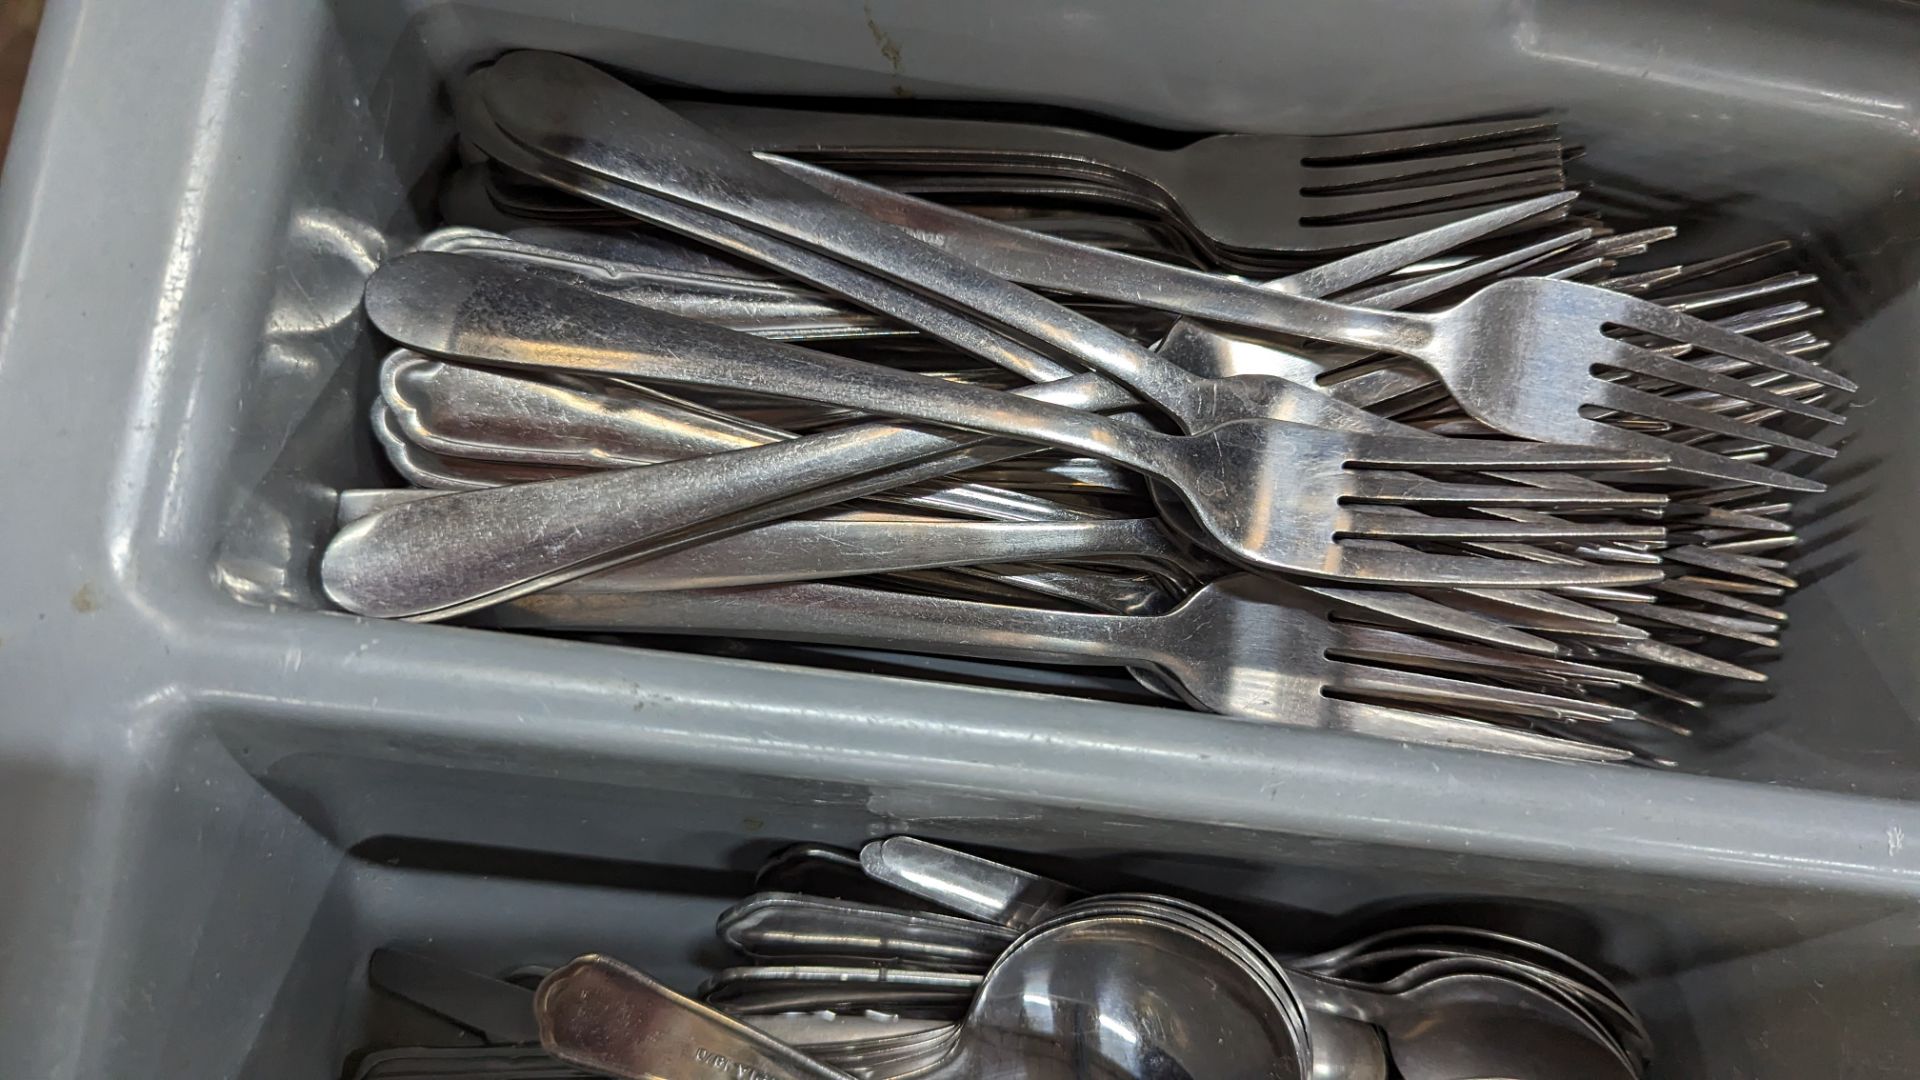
951,965
1475,485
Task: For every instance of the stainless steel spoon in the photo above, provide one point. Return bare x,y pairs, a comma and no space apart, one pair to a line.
1127,998
601,1014
775,926
980,888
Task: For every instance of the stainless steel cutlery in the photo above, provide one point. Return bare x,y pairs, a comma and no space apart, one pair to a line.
981,970
1465,475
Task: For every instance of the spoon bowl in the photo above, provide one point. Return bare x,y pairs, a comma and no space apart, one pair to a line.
1124,998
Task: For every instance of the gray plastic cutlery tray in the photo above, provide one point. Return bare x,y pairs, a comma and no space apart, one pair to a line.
216,797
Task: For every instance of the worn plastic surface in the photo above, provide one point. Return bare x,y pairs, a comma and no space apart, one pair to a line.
216,797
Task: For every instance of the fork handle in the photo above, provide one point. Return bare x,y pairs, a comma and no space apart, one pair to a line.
842,615
1048,262
815,550
1072,151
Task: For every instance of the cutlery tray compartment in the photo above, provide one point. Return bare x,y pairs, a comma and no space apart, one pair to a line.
1821,158
286,852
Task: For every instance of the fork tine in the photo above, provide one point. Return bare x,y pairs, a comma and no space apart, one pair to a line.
1704,595
1705,268
1344,235
1692,459
1364,561
1367,643
1755,544
1720,518
1406,488
1385,258
1712,298
1619,553
1330,149
1416,687
1628,357
1670,694
1550,605
1524,607
1744,566
1389,296
1651,318
1460,733
1640,282
1625,596
1578,270
1716,625
1641,403
1722,496
1670,655
1413,452
1548,608
1749,323
1638,240
1437,616
1415,198
1744,588
1325,179
1376,526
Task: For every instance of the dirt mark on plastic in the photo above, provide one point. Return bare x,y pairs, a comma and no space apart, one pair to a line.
889,48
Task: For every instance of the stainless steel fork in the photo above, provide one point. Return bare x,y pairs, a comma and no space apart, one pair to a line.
1287,193
1245,646
1525,356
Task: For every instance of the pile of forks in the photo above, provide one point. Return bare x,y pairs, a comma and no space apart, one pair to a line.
1448,474
911,959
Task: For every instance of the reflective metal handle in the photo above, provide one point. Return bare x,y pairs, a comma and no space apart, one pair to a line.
968,884
600,1014
479,310
1032,146
1052,263
839,615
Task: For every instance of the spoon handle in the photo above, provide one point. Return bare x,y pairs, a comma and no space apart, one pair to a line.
580,429
439,557
478,310
600,1014
984,889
